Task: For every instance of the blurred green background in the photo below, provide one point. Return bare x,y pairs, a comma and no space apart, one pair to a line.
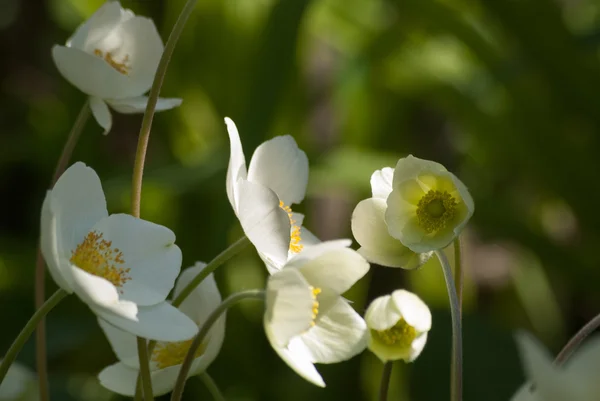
505,93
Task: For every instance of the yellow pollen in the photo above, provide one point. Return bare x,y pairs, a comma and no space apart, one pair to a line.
295,245
401,334
96,256
435,210
123,67
171,354
315,308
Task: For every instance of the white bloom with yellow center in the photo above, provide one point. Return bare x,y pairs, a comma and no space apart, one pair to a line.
306,320
576,380
167,357
371,232
428,206
19,384
122,267
112,57
262,195
398,326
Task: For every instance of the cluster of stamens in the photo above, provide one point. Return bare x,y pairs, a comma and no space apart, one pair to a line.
123,67
435,210
171,354
315,308
295,245
96,256
401,334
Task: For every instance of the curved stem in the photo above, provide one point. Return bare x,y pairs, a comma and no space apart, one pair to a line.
40,272
458,273
385,381
212,387
39,314
576,340
145,369
159,77
212,318
456,367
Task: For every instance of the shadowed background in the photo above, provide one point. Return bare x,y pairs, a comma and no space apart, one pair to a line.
506,94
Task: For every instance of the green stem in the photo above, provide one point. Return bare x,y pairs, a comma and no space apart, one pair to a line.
212,387
145,369
39,314
385,381
456,366
40,272
159,77
458,273
212,318
576,340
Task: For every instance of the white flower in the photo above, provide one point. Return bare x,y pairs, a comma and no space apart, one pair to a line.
121,266
261,196
398,326
112,57
167,357
428,206
371,232
18,384
576,380
306,319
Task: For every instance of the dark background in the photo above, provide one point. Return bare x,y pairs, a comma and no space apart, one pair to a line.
506,94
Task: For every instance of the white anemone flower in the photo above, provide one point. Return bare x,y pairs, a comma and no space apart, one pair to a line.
307,321
122,267
575,380
19,384
398,326
112,57
167,357
261,196
371,231
428,206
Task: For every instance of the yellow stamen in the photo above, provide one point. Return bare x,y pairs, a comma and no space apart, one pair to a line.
96,256
435,210
171,354
315,308
122,67
401,334
295,245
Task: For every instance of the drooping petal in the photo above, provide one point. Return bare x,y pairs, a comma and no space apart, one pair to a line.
148,251
98,26
280,165
101,113
265,224
237,164
123,343
411,167
525,393
381,182
132,105
414,311
204,299
382,313
315,250
338,336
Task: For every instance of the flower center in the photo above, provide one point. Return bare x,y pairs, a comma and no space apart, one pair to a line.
123,67
315,309
295,245
171,354
96,256
401,334
435,210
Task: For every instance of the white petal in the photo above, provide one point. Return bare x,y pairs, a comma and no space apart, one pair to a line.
94,290
525,394
381,182
398,215
307,238
91,74
132,105
411,167
124,344
17,380
417,347
318,249
215,336
161,322
382,313
265,224
237,164
338,336
289,305
414,311
101,113
149,251
204,299
280,165
582,368
98,26
468,202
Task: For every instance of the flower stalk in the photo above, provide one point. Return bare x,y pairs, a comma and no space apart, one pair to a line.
576,340
458,273
385,381
212,387
146,380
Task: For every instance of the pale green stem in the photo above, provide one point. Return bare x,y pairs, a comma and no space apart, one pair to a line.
145,369
458,273
212,387
39,314
456,366
212,318
40,272
385,381
576,340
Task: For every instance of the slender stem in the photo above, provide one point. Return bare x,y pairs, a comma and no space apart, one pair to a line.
577,339
40,272
385,381
212,387
456,366
145,369
39,314
458,273
159,77
212,318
